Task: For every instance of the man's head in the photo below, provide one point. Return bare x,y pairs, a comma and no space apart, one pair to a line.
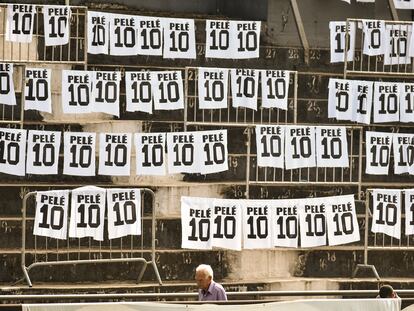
386,291
203,276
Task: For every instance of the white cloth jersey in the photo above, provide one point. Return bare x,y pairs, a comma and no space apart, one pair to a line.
226,222
244,39
105,91
183,149
340,99
257,224
386,102
218,34
386,216
312,222
275,88
196,223
51,216
404,4
77,91
115,154
19,24
361,100
331,146
98,32
342,221
124,212
212,88
270,142
7,94
13,146
150,35
79,153
87,213
150,153
378,152
403,150
244,87
300,147
397,45
214,154
37,91
285,223
167,90
406,95
123,34
57,24
374,31
138,89
43,148
409,211
179,38
338,33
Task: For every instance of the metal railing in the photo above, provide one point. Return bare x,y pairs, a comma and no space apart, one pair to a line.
240,116
340,176
380,241
374,66
52,252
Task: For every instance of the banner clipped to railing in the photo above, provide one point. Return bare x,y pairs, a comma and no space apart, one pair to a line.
87,209
251,224
387,212
203,152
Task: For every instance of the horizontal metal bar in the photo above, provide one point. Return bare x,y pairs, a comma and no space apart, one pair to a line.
344,293
53,62
379,74
235,124
85,261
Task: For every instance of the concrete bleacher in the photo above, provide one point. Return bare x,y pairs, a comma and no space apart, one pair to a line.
278,269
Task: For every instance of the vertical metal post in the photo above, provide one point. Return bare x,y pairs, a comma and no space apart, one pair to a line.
361,136
85,39
301,30
22,97
394,13
23,250
153,235
295,98
186,98
366,228
248,146
346,47
365,265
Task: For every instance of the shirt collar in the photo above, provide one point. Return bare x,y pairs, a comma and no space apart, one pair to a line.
209,289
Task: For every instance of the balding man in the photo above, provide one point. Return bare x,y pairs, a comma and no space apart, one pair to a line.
208,289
